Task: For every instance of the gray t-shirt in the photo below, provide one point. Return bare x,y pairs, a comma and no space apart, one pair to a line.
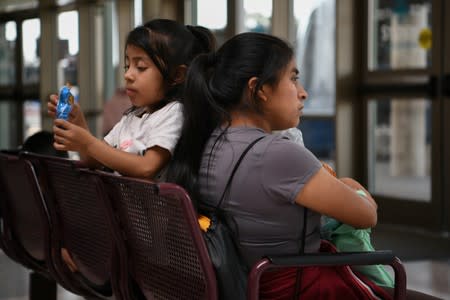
262,195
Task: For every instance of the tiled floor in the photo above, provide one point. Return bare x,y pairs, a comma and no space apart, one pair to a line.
426,259
425,255
431,277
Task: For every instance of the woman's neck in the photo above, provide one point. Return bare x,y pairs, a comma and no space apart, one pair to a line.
249,119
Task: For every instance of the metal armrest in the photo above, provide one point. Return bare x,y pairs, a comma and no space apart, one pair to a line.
384,257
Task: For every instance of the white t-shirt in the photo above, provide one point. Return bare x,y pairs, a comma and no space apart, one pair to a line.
136,134
294,134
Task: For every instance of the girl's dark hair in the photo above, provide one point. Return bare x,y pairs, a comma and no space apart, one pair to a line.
215,85
170,44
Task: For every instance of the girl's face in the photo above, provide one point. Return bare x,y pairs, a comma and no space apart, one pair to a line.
144,82
283,103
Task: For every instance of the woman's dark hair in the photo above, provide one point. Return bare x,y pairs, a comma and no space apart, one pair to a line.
170,44
215,85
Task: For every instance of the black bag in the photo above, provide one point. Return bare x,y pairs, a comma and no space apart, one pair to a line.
231,271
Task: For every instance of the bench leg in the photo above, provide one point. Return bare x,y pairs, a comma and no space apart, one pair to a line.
41,287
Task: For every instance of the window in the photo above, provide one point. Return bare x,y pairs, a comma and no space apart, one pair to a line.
315,53
8,36
315,47
399,143
258,15
399,34
31,33
68,50
212,14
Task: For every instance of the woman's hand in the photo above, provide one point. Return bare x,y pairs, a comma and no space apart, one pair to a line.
338,199
76,115
71,137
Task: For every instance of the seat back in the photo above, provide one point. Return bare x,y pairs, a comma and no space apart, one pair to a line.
76,196
167,257
25,230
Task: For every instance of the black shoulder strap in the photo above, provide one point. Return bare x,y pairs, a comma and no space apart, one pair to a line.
227,186
298,277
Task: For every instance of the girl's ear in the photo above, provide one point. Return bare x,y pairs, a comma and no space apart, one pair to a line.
180,74
252,82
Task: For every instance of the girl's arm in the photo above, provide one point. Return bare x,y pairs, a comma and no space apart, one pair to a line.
338,199
94,151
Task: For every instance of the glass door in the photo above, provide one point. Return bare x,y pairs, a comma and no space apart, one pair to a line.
404,98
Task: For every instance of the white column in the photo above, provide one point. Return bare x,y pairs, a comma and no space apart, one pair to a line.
125,11
283,19
49,57
90,61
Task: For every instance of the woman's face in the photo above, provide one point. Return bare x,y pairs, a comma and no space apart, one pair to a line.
144,82
283,103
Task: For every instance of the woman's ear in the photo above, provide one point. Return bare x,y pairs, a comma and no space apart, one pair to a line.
252,83
180,74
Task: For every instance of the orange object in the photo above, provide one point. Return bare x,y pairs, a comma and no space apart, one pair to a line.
204,222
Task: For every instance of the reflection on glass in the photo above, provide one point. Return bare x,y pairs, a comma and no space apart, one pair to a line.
399,148
31,117
30,48
68,49
399,34
315,49
212,13
257,15
8,115
8,35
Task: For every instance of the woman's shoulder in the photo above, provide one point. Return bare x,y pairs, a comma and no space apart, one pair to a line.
246,135
280,148
271,146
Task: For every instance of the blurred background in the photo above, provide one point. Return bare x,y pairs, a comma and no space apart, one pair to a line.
377,73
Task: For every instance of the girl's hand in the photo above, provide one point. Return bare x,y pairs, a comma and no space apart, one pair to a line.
76,115
51,105
70,137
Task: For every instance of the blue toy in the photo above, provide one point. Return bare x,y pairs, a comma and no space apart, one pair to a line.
65,103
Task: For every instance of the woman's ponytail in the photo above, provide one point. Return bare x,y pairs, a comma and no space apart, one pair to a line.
201,116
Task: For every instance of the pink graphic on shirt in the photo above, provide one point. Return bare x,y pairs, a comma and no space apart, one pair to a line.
125,144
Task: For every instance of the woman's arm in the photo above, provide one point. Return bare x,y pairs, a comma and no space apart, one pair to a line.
92,150
330,196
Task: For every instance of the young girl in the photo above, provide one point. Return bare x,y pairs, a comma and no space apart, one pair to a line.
244,91
157,55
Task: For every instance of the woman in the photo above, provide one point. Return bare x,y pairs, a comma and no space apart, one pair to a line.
244,91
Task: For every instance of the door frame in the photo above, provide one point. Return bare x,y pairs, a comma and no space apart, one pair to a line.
445,214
